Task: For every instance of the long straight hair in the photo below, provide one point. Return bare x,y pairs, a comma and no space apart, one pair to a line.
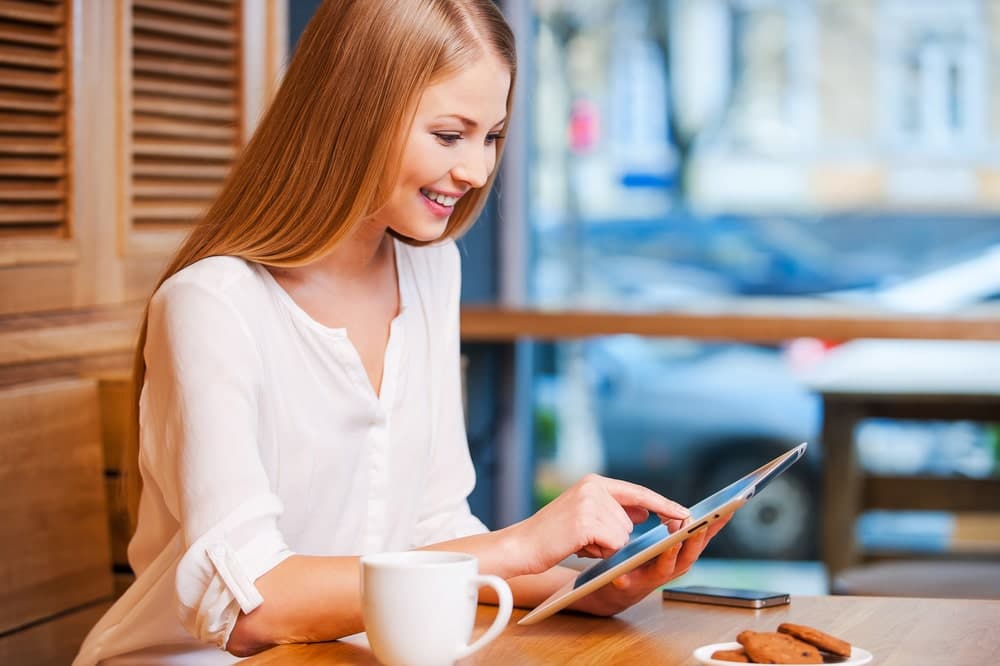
325,155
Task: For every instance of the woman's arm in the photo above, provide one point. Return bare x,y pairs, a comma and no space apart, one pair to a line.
319,598
310,599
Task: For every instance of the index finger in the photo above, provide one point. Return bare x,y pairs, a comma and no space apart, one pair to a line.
632,494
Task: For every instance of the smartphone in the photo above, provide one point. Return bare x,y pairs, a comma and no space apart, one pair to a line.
726,596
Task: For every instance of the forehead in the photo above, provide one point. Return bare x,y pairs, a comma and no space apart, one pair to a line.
477,91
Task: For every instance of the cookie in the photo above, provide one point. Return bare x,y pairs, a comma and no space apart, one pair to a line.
822,640
731,655
775,648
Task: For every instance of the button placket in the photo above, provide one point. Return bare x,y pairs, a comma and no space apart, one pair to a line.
378,480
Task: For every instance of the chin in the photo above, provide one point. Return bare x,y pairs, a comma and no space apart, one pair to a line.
424,234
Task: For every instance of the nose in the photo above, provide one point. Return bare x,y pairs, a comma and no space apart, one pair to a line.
474,168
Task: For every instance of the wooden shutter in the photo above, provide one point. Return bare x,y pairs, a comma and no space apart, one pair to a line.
185,111
34,146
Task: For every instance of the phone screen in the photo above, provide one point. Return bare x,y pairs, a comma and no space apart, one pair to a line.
728,592
725,596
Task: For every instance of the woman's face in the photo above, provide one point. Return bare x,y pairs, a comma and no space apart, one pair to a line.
450,149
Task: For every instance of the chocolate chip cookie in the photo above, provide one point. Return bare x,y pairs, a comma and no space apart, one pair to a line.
820,639
775,648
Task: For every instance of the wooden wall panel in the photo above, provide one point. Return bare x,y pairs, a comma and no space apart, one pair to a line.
51,287
54,544
33,338
111,113
144,138
86,366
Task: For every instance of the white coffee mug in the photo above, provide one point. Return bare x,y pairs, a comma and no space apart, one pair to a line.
419,607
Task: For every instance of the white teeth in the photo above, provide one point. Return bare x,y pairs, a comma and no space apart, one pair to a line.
439,198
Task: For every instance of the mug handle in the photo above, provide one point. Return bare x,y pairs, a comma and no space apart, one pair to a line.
503,612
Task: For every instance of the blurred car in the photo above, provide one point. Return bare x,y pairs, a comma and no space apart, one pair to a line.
687,417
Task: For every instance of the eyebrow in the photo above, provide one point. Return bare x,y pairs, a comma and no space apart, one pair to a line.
468,122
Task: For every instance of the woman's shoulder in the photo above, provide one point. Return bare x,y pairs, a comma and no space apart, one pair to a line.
229,279
211,309
219,274
215,273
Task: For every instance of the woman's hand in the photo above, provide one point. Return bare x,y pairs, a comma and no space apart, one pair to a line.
593,518
634,586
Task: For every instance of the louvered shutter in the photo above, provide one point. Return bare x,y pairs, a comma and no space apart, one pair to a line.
34,147
185,108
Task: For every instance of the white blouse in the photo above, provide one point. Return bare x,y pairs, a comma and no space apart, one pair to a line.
263,437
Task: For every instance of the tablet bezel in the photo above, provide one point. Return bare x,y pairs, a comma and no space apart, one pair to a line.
757,479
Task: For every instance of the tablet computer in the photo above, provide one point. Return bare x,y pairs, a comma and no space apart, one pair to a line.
648,545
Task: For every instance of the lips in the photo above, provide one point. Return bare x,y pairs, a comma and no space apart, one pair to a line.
437,209
440,198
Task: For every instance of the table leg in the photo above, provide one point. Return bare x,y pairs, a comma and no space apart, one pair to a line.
842,483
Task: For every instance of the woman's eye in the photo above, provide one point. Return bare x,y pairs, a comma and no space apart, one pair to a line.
492,138
447,138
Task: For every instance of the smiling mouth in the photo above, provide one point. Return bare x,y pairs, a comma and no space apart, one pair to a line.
440,199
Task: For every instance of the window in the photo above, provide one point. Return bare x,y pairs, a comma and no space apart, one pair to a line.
781,194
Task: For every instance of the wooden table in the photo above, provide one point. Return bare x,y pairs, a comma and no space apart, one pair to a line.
903,632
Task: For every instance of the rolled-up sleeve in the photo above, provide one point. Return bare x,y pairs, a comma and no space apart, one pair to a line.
199,420
445,512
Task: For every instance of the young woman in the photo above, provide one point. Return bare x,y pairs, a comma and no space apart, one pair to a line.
300,401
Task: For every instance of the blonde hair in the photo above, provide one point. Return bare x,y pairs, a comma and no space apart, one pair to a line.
325,155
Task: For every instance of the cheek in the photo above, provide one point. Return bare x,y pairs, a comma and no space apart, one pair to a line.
428,168
418,160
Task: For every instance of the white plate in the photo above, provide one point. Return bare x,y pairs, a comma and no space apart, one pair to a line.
705,652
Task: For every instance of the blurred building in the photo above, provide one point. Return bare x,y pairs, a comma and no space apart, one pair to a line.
826,104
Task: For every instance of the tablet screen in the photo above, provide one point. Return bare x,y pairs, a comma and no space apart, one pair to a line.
699,511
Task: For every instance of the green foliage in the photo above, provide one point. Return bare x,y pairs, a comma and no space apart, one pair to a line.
546,428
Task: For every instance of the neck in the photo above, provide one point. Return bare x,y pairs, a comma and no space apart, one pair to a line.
357,255
356,258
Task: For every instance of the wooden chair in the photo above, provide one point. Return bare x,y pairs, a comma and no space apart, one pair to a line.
115,393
